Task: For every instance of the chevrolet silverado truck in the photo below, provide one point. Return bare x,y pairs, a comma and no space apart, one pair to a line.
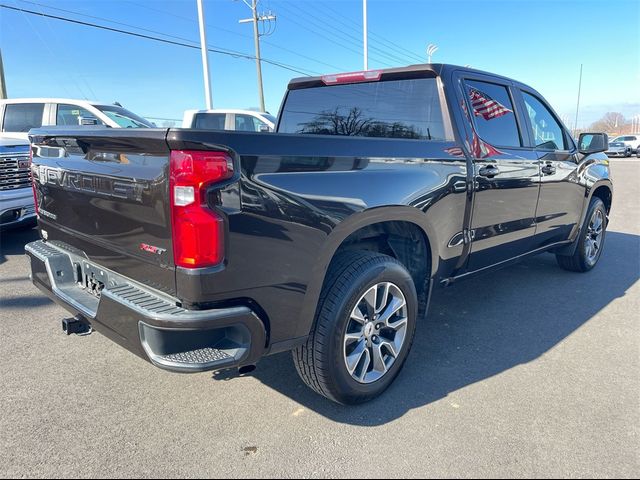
206,250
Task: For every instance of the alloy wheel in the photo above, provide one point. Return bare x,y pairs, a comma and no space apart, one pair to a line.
594,237
375,333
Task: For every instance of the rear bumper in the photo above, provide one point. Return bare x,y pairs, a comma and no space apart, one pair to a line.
148,323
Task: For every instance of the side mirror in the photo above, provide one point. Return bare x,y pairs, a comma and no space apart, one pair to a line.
87,121
265,128
589,143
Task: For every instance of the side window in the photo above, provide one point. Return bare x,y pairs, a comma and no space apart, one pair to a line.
22,117
247,123
547,131
209,121
493,112
73,115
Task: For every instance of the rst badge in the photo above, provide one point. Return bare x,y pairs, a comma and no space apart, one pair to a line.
151,249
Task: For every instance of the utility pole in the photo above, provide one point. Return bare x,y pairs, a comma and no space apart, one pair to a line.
575,124
3,85
205,55
256,38
365,34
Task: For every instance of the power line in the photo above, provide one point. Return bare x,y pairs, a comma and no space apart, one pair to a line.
217,50
380,38
215,27
48,48
322,35
349,37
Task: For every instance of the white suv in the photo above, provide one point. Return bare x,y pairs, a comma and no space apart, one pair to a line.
624,145
19,115
240,120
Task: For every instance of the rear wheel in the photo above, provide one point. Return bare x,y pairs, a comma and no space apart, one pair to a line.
590,242
364,328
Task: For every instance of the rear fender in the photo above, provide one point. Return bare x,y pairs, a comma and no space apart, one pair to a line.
340,233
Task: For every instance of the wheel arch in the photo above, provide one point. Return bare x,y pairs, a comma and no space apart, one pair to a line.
362,230
605,193
602,189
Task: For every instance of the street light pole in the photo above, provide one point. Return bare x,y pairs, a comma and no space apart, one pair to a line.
431,49
205,55
3,85
365,34
575,124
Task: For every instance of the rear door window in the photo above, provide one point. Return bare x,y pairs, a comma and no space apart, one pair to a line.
392,109
209,121
247,123
22,117
72,115
493,113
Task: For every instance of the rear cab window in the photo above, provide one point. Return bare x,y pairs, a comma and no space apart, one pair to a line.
22,117
403,108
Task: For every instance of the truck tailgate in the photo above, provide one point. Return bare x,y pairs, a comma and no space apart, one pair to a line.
105,193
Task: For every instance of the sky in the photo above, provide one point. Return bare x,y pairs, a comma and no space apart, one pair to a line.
541,43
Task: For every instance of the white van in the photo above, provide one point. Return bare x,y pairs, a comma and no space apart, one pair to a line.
19,115
240,120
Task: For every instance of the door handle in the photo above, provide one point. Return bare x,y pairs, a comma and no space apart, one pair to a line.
489,171
549,169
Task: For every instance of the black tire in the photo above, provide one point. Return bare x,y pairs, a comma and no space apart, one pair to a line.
321,360
580,261
627,153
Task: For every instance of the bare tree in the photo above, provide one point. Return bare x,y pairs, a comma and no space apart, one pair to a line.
355,124
610,122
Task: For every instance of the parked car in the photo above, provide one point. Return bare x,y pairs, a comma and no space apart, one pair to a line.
205,250
19,115
624,145
239,120
17,208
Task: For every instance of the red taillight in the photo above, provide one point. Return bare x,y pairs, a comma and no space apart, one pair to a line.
198,231
33,180
353,77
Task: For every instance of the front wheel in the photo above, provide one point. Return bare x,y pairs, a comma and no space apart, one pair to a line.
590,241
364,328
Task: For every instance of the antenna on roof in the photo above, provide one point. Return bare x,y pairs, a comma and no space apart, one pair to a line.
118,104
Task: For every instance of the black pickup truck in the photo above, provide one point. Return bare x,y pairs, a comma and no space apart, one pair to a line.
206,250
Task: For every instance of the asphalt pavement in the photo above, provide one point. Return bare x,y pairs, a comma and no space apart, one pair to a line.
531,371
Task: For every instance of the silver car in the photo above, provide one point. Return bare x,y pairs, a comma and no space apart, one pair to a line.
624,145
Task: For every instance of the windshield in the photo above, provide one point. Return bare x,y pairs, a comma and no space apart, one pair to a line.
270,117
618,139
123,117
